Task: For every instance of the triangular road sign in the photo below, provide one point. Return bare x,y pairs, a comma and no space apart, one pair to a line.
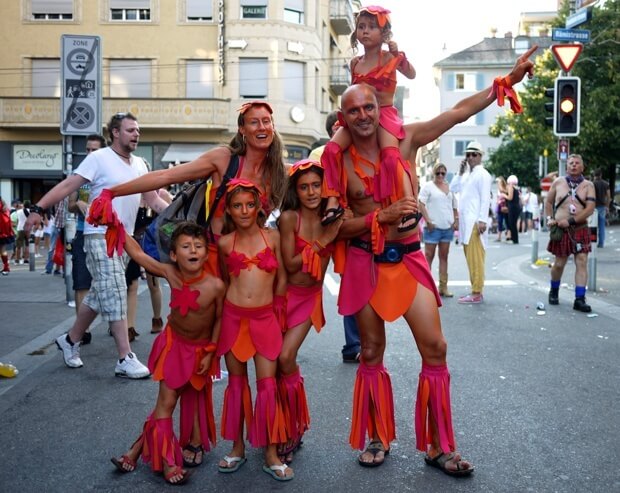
566,55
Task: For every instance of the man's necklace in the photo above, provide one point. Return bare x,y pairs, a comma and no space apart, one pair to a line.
118,153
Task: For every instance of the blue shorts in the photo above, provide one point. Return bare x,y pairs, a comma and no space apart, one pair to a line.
438,235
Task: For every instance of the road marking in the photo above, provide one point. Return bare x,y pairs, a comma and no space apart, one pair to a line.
333,286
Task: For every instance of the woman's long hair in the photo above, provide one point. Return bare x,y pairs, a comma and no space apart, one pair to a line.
275,174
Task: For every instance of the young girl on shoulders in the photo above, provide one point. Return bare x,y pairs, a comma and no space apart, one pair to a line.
253,318
182,359
377,68
306,249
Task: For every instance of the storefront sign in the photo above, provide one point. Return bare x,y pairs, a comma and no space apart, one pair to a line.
37,157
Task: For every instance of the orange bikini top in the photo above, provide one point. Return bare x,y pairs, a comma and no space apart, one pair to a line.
382,77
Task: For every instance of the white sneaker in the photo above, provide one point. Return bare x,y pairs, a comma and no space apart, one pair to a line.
71,354
130,367
21,261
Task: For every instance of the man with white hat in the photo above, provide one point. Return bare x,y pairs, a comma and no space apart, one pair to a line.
474,190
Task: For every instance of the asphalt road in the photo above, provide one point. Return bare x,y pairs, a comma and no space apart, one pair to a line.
535,397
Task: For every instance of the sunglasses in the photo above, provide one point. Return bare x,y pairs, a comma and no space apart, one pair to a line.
471,154
119,116
440,173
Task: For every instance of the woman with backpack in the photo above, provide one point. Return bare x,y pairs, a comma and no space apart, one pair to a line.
259,150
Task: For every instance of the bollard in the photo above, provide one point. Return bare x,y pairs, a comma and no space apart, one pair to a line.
592,220
534,244
31,253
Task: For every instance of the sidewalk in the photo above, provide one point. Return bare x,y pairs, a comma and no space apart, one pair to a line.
607,272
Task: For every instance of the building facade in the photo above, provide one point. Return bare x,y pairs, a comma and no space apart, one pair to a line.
183,67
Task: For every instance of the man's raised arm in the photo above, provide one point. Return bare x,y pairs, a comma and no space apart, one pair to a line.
421,133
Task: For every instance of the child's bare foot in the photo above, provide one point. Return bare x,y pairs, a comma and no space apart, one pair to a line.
175,474
332,214
192,455
124,463
128,462
233,461
409,222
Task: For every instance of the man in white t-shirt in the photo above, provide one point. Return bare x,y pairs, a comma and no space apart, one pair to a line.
107,296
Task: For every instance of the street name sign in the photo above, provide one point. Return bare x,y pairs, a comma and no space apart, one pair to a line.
580,17
80,109
581,35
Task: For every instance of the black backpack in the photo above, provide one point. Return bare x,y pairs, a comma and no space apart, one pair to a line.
188,205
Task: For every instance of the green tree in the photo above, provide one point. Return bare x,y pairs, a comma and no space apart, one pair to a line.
525,136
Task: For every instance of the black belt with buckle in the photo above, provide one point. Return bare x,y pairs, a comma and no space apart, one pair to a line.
393,252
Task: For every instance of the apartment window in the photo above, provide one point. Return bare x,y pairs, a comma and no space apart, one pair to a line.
52,9
294,11
253,78
294,81
199,10
466,81
46,78
199,79
459,147
130,10
253,9
130,78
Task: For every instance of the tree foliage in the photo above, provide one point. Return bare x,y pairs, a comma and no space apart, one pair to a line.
524,137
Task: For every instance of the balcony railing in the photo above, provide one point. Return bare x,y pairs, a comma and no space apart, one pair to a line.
339,77
160,113
341,16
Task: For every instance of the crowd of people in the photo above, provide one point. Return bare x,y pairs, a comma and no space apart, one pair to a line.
245,292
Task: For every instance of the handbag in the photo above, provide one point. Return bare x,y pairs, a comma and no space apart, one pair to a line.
503,209
555,233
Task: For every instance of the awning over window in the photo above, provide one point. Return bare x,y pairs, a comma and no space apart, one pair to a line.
185,152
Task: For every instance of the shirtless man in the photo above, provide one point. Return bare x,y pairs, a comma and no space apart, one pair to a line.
570,202
379,258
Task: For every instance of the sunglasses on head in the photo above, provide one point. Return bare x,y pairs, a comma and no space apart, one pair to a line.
472,154
119,116
440,173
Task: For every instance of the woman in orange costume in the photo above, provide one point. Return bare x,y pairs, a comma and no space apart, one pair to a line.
259,148
306,248
181,359
253,318
376,68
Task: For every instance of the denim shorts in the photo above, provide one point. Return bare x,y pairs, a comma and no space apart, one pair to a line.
438,235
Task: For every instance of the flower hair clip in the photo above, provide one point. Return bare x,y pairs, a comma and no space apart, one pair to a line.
382,14
302,165
240,183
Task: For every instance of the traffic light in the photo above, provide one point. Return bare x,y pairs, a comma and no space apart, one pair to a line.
550,107
567,91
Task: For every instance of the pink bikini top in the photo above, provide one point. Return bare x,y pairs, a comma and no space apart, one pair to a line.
264,260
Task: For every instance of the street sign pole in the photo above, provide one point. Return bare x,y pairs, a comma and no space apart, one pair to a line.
81,102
